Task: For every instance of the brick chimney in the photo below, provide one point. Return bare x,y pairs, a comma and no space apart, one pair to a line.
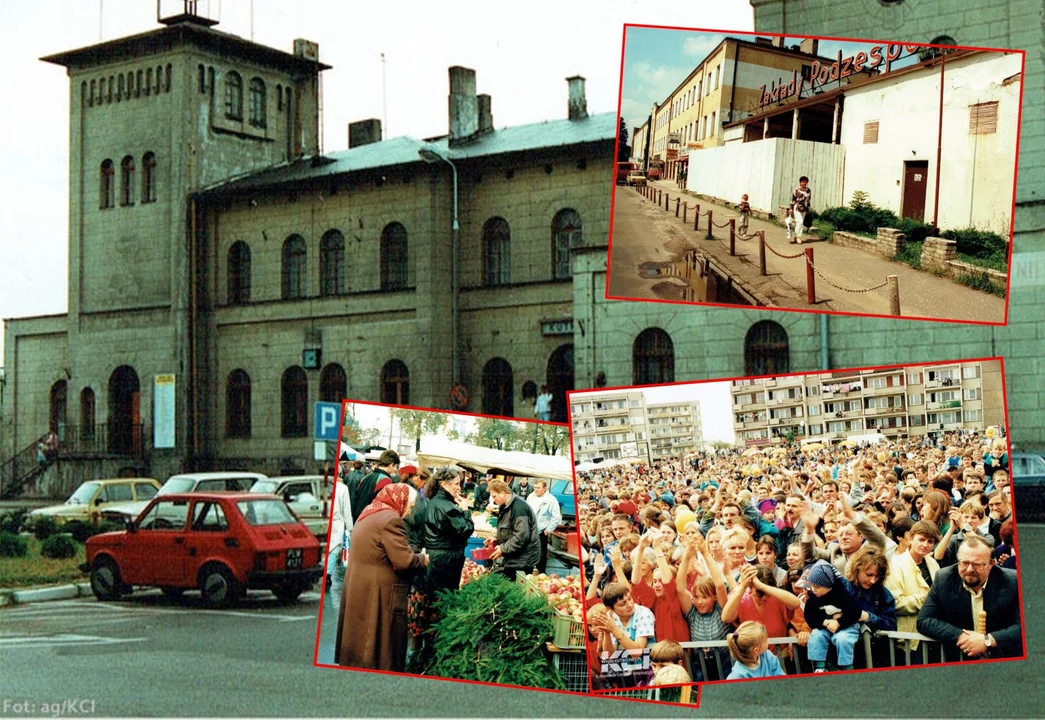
464,106
485,103
810,46
578,105
778,41
364,132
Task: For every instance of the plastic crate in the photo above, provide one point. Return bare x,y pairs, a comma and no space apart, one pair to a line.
573,669
569,631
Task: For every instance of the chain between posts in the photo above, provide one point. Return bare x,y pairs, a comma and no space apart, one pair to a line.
779,255
839,287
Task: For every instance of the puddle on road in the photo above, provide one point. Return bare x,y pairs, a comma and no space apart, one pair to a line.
649,270
671,291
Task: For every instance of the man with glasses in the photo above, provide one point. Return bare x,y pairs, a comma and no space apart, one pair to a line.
958,595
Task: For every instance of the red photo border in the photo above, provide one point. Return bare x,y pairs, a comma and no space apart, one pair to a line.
1015,521
1012,216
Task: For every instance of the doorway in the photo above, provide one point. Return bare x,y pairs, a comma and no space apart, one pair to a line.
915,184
560,380
124,412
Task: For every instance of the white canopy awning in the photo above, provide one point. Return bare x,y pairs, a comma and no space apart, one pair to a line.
437,451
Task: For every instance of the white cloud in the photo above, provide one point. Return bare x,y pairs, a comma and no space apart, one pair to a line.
699,46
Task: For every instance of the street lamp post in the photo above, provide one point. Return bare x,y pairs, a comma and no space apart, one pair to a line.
431,157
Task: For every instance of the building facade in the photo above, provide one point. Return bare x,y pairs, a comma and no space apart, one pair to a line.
897,402
620,424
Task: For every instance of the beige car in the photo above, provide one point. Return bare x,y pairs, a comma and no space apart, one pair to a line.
95,496
635,177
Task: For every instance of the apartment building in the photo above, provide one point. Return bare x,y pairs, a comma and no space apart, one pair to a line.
621,424
898,402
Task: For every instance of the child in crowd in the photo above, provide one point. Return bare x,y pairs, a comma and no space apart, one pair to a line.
789,222
666,659
749,648
745,215
833,614
702,609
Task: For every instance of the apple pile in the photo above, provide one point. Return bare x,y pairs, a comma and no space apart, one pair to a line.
562,592
471,571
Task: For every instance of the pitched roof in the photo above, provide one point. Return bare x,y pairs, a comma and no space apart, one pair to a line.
404,150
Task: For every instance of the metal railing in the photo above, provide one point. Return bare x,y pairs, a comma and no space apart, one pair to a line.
21,470
104,439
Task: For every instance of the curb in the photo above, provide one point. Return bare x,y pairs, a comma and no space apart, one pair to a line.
44,594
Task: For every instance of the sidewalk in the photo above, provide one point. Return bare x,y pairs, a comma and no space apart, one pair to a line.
21,596
921,293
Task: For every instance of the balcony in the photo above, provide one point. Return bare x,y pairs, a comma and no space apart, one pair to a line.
751,424
944,382
603,412
943,404
952,426
888,390
893,410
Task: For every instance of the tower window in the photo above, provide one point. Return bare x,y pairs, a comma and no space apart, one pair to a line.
106,191
127,181
234,96
149,177
257,103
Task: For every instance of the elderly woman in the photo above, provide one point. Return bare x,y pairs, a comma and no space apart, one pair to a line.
447,529
372,626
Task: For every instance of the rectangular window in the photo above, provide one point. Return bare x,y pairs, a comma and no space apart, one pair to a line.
916,399
973,415
876,382
972,394
914,378
813,391
971,372
917,420
871,133
814,410
983,118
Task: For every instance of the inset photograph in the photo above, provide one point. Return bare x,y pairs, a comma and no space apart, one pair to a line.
797,524
804,173
453,550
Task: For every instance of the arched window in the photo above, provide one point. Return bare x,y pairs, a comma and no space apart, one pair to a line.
107,194
148,81
202,71
560,380
766,350
127,181
394,257
333,384
237,404
498,395
294,405
257,103
87,414
332,263
653,358
566,234
497,246
59,392
294,267
234,96
395,383
239,274
149,177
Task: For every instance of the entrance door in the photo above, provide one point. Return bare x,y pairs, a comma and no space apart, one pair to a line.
560,380
915,183
124,411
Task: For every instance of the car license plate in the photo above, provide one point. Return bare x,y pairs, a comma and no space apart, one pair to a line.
294,558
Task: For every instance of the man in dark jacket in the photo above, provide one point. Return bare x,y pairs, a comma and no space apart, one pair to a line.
482,494
521,486
447,528
518,542
362,493
961,591
415,520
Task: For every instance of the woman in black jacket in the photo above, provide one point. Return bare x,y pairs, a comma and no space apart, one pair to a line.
446,530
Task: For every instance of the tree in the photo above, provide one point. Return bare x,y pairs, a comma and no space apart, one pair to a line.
543,439
415,423
623,152
493,433
720,445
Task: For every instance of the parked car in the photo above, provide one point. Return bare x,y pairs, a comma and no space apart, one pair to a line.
562,490
623,170
306,495
232,481
1028,486
222,543
94,497
635,177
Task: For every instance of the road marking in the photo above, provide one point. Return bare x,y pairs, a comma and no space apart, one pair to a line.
62,640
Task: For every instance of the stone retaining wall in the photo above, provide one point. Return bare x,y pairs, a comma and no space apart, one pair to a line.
889,242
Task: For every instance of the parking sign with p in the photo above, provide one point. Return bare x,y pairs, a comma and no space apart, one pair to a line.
328,417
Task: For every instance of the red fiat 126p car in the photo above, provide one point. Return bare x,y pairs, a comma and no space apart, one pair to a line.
221,543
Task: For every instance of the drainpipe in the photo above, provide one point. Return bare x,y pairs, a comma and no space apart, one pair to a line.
939,153
733,84
825,363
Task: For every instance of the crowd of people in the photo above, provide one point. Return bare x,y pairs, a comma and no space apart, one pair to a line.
398,537
750,547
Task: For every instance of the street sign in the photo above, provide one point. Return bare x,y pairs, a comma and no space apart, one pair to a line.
459,397
328,417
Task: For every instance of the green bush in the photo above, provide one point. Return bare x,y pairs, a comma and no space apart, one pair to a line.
12,545
978,243
492,630
11,522
915,231
44,527
58,547
79,530
983,282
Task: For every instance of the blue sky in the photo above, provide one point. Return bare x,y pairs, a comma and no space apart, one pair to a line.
656,60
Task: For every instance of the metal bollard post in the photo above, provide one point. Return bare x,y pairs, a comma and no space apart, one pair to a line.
732,237
659,192
678,201
696,218
685,213
894,295
810,277
711,225
667,202
762,253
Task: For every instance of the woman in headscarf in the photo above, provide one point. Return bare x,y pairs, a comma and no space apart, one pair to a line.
372,626
447,529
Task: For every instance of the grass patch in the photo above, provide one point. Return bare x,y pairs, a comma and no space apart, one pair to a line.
981,282
995,261
911,255
33,569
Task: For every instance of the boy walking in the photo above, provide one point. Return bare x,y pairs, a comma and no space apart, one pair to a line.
745,215
801,198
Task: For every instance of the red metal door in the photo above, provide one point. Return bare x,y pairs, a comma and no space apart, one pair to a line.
915,184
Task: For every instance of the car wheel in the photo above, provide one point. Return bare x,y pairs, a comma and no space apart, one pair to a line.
172,593
289,591
218,586
106,583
